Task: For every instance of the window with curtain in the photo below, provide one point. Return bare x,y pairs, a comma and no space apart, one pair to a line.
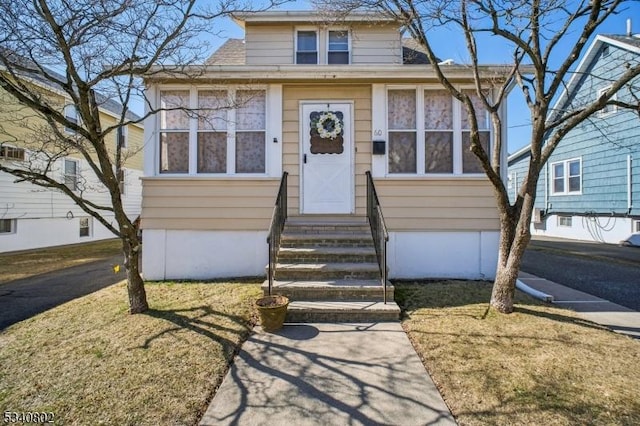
438,136
174,131
402,131
227,127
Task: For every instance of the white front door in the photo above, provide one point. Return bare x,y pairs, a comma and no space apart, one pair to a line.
327,159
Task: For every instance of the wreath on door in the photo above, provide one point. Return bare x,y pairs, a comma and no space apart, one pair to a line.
327,130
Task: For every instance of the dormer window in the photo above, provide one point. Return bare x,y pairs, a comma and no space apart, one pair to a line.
338,52
307,47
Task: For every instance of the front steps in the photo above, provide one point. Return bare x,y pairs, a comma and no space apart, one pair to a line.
328,269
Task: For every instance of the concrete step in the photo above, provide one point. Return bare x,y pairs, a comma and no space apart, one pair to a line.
326,271
342,311
363,290
326,239
320,254
315,228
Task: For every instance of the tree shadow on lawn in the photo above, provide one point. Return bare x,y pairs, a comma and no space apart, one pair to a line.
202,321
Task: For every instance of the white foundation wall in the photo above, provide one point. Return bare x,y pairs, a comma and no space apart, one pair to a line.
610,230
201,255
467,254
39,233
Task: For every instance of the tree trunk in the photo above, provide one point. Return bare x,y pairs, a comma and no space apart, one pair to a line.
135,284
514,238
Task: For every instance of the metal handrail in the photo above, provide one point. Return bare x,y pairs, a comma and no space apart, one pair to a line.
378,230
278,219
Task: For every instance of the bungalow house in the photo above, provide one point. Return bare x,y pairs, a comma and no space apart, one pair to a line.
324,101
32,216
590,187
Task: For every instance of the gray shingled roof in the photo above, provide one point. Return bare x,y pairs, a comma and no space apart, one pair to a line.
35,73
232,52
630,40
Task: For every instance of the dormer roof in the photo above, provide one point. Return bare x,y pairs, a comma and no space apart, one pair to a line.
309,16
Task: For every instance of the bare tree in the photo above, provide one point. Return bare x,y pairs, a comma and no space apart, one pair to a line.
93,53
546,39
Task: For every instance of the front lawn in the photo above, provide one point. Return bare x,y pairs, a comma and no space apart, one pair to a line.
90,362
541,365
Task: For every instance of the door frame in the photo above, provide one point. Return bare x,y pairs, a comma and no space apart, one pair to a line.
352,150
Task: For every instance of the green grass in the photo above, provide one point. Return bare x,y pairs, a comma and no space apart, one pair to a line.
90,362
23,264
540,365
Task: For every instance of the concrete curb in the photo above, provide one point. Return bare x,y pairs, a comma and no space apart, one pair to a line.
533,292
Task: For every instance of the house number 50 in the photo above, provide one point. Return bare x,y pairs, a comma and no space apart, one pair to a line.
377,132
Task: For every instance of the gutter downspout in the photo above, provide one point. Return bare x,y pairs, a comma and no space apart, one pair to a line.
629,192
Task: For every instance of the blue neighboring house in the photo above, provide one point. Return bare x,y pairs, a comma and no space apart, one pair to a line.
590,187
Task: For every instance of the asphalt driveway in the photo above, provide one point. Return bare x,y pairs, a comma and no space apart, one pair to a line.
604,270
24,298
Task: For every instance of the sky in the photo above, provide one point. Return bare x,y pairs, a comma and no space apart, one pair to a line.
449,44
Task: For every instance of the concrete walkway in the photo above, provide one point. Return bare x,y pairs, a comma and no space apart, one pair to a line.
618,318
328,374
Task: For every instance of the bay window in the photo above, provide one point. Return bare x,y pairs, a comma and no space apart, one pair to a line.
429,132
226,128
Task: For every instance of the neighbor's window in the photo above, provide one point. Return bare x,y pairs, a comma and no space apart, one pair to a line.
85,226
174,131
636,227
566,177
7,226
71,174
306,47
338,52
122,137
564,221
71,115
402,131
608,109
11,153
230,135
437,143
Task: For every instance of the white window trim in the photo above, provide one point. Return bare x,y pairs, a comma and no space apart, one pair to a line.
349,48
458,110
636,226
295,43
609,109
193,133
565,164
13,225
64,172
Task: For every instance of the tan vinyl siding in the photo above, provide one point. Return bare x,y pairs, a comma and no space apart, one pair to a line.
208,204
438,204
269,44
376,44
371,43
292,95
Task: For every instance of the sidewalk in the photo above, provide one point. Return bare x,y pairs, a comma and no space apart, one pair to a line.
618,318
324,374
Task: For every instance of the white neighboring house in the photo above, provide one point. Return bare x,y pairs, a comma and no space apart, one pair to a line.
32,216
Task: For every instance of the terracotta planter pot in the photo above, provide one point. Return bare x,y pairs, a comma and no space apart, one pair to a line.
272,310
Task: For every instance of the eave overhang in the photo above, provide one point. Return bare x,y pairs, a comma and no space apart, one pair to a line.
323,74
